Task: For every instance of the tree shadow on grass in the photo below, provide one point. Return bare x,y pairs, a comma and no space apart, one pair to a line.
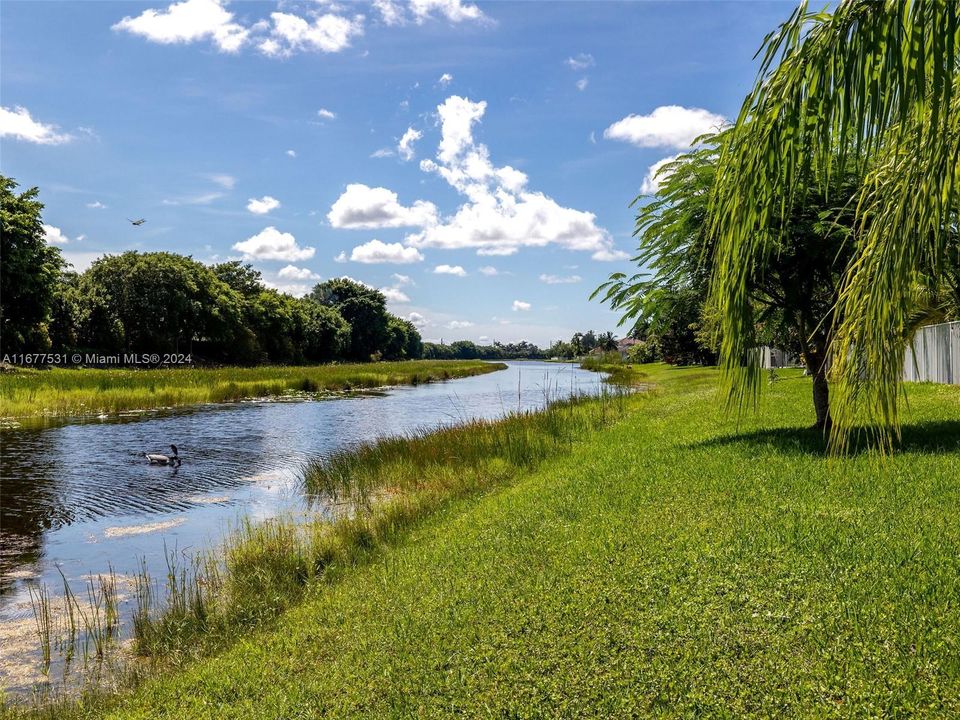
933,437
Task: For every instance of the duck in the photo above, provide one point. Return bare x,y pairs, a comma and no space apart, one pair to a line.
156,459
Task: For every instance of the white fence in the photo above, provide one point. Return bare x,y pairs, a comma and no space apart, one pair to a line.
935,355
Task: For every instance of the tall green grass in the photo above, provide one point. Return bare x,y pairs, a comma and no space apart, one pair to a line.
88,391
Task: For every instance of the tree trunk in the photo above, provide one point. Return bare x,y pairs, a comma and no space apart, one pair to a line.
817,367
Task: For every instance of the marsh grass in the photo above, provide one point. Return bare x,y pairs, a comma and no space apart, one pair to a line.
366,497
618,372
87,391
65,622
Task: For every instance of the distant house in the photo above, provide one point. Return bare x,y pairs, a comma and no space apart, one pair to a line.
624,345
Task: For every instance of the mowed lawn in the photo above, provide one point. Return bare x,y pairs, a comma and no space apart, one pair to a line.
669,565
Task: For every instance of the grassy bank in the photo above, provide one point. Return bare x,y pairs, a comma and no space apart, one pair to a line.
667,564
378,492
87,391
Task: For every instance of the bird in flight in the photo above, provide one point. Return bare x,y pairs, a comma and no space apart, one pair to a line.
141,221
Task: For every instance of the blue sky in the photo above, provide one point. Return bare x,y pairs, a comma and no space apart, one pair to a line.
476,161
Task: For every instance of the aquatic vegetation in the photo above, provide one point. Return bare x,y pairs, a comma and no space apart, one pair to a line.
91,392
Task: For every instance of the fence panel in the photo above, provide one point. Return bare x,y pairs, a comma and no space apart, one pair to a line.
935,355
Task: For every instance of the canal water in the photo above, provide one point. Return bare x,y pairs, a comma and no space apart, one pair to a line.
79,498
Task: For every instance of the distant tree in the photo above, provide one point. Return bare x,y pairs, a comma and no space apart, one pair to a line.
400,340
157,301
577,343
363,307
324,334
414,349
65,312
607,341
560,349
29,271
241,277
465,350
589,341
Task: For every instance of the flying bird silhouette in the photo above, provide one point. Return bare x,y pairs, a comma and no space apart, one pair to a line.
141,221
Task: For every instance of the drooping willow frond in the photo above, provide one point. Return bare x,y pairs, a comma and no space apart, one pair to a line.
872,84
907,214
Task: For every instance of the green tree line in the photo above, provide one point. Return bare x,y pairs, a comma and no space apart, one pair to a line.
163,302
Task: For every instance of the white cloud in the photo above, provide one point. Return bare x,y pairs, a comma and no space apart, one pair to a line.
501,214
81,238
453,10
328,33
395,295
263,205
376,251
459,324
54,236
502,251
341,257
667,126
271,244
381,153
223,180
417,319
186,22
580,61
80,261
520,305
653,178
292,272
359,282
363,207
445,79
17,123
403,279
291,153
405,146
489,271
326,114
96,205
295,289
201,199
390,12
608,255
582,84
560,280
450,270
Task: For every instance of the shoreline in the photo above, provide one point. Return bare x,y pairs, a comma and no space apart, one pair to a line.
87,393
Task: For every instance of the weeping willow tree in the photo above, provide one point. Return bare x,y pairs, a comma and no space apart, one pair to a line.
793,292
872,88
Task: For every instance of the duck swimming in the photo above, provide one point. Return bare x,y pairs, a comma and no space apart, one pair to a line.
165,459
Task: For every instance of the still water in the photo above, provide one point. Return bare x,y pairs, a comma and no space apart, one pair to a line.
79,497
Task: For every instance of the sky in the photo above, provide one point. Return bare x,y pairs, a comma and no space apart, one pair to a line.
476,162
